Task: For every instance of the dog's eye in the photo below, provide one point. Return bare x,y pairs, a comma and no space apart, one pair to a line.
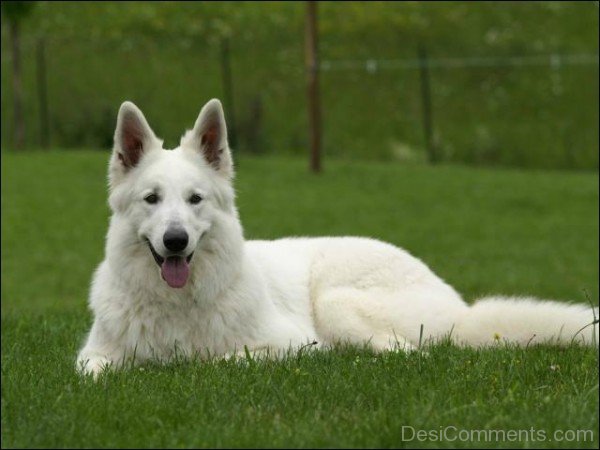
151,199
195,199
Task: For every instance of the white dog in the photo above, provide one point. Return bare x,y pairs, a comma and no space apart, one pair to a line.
180,278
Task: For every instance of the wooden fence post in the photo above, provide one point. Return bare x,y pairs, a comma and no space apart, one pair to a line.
42,92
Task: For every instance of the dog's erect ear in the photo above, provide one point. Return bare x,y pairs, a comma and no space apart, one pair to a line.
133,138
209,137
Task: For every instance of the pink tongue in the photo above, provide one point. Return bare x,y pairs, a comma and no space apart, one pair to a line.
175,270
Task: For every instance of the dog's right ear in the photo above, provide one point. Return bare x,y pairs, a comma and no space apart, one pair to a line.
133,138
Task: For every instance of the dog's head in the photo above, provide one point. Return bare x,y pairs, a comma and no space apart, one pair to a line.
169,200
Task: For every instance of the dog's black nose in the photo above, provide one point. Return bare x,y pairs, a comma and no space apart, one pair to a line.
175,239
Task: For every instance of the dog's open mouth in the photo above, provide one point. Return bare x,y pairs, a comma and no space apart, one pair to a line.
174,269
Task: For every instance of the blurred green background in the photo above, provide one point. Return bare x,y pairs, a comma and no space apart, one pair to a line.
168,58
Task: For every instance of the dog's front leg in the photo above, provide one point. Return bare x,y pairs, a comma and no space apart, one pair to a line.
100,353
92,363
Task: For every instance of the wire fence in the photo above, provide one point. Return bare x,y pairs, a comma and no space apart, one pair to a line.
555,61
516,110
424,64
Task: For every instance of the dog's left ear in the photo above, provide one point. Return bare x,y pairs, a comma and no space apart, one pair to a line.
209,137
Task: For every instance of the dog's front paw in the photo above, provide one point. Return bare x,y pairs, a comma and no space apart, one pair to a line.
93,366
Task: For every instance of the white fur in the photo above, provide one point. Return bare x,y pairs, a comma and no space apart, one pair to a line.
271,295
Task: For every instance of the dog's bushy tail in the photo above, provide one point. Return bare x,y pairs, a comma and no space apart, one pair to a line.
527,321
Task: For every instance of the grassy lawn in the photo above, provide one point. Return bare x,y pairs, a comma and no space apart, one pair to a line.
484,231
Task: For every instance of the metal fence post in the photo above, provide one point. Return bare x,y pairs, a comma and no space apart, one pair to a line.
426,105
312,69
228,93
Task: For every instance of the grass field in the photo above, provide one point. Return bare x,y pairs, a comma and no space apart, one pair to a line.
483,231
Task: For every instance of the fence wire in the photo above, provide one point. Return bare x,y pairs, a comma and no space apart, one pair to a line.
554,61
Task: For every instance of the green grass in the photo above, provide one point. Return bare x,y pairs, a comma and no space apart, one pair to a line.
483,231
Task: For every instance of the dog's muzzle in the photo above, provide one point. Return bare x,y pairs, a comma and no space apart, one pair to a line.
174,269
